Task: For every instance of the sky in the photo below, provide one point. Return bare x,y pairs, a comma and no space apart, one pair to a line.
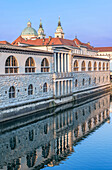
89,20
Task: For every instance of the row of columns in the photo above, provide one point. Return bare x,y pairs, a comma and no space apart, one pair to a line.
90,124
63,87
61,61
63,143
63,120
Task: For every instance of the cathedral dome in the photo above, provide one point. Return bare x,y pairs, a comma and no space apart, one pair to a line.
29,30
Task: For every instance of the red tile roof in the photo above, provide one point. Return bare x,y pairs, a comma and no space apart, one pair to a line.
52,41
5,42
83,44
46,41
103,49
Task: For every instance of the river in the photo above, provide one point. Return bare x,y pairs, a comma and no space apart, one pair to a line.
73,136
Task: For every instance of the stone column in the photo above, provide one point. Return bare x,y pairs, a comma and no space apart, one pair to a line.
71,86
61,87
62,143
54,62
65,88
58,62
65,62
61,62
80,130
54,87
87,129
68,63
70,140
92,124
68,86
58,89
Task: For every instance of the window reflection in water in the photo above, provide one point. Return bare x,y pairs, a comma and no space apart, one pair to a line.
50,140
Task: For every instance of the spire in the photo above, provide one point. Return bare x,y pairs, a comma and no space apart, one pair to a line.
59,23
40,26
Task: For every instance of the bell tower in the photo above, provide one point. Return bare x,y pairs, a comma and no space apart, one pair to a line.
41,34
59,31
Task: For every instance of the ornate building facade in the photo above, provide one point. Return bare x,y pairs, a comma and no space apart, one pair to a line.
103,52
44,72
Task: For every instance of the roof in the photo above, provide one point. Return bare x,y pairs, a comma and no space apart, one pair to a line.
51,42
103,49
22,49
44,42
79,43
5,42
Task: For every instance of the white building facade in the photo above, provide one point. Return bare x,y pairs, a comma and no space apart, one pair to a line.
43,73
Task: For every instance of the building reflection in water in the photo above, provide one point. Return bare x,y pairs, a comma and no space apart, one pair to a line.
50,140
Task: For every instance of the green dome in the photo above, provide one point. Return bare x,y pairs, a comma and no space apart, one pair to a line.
29,30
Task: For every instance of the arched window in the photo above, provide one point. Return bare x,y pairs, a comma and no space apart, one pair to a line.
95,66
30,89
31,159
107,66
83,82
76,83
46,128
11,65
30,65
89,109
99,66
31,135
89,81
45,87
13,142
103,66
45,150
12,92
76,67
95,80
44,65
83,66
89,66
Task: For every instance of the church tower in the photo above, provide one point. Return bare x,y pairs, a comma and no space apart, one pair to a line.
59,31
41,34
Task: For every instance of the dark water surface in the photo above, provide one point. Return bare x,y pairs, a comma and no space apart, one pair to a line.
78,137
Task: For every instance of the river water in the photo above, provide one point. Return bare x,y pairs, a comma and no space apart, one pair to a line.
74,136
